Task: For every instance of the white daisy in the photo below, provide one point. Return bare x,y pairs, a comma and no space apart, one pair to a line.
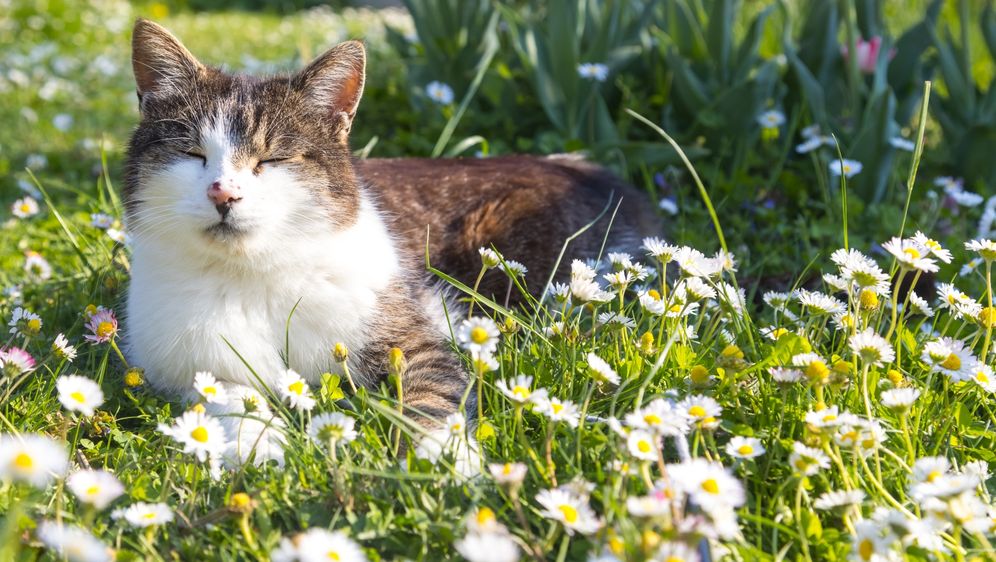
819,303
785,375
73,543
32,458
570,509
950,357
701,410
559,410
745,447
901,143
487,547
296,391
933,245
910,254
514,268
24,207
96,487
142,514
318,545
982,375
919,305
62,349
200,434
807,460
210,389
335,429
489,258
838,498
79,394
643,445
985,248
478,334
23,322
899,398
845,167
872,348
37,267
593,71
518,390
660,250
659,417
101,220
439,92
602,372
771,119
814,367
709,484
870,544
509,473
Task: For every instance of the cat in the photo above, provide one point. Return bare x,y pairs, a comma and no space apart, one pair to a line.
244,203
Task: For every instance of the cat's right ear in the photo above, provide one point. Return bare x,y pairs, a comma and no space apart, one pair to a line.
160,62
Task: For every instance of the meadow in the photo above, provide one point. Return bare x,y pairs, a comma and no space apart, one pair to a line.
801,368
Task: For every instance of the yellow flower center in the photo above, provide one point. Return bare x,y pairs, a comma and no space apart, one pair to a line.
478,335
25,208
34,325
868,298
817,371
643,446
570,514
654,294
210,390
455,427
507,469
912,253
829,418
296,387
987,316
675,308
849,436
710,485
24,461
802,464
981,377
92,490
199,434
952,362
674,559
697,411
105,329
485,516
934,475
745,449
521,392
149,515
652,419
556,407
78,396
866,549
868,443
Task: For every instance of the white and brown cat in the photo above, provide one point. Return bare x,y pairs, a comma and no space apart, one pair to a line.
243,200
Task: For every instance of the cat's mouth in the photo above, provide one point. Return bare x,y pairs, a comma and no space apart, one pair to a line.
225,230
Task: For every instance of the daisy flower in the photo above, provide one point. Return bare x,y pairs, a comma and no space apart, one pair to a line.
142,514
982,375
814,142
813,367
513,268
615,320
870,544
24,207
696,288
709,484
518,390
73,543
642,444
653,505
200,434
826,418
950,357
316,545
872,348
333,428
62,349
487,547
37,267
899,399
570,509
439,92
489,258
807,460
702,410
14,361
296,391
957,302
910,254
660,250
744,447
119,236
24,323
96,487
32,458
103,326
778,300
985,248
838,498
819,303
601,371
659,417
79,394
785,375
919,305
509,473
901,143
933,245
478,334
845,167
209,388
771,119
101,220
671,551
593,71
559,410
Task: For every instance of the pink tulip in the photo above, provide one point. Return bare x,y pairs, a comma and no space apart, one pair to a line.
867,53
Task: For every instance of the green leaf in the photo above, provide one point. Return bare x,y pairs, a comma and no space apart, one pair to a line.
330,389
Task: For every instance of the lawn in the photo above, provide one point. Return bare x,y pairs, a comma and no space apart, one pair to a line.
800,369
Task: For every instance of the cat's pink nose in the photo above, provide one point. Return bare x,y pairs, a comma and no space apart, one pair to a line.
224,196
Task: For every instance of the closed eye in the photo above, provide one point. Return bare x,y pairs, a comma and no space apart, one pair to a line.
277,160
197,155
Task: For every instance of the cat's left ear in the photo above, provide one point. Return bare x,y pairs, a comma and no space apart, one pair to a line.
334,83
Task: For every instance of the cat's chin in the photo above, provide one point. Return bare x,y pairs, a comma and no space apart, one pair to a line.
227,232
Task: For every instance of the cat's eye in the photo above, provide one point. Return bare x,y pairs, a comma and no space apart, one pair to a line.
197,155
273,160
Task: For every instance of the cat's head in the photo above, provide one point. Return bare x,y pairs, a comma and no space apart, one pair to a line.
232,164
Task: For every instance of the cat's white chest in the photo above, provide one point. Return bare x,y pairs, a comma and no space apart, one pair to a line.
189,315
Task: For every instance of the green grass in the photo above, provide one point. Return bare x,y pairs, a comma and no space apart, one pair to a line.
421,512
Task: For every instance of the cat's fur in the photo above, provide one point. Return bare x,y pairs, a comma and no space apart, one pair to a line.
342,239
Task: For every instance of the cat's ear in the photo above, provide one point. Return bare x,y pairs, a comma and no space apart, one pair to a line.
334,82
160,62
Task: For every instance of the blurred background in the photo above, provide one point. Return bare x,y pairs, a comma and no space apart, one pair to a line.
760,94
